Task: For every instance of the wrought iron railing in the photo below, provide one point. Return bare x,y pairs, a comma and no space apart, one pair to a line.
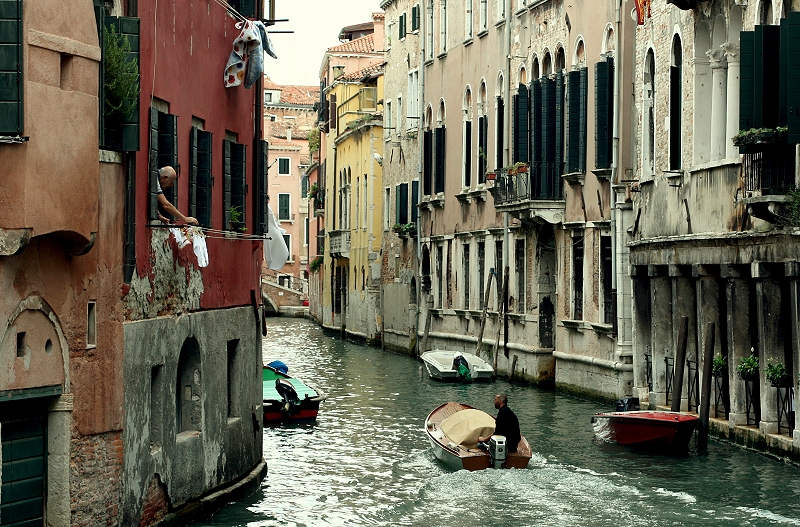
648,370
669,363
770,170
541,182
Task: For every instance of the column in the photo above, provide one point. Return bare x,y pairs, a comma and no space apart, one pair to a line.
59,430
661,331
770,343
732,57
702,110
683,305
708,310
642,338
737,315
719,111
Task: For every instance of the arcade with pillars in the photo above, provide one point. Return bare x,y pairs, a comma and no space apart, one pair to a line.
746,291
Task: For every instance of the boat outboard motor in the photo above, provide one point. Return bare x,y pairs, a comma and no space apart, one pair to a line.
461,366
289,396
497,450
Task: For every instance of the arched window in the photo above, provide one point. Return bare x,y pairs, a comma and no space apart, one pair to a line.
766,15
547,64
535,74
675,103
580,54
466,133
483,134
649,121
499,118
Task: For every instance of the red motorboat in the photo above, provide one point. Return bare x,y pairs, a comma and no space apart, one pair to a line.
646,429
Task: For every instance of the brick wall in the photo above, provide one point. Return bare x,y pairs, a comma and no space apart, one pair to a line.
95,474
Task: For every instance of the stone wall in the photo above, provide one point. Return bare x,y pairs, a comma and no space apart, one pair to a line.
95,479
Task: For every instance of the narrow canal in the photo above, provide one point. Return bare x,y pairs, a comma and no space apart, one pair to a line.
367,462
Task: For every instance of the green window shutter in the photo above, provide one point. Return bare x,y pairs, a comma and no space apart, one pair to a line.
239,182
582,118
603,112
168,150
501,114
283,207
203,182
283,165
766,82
402,26
193,171
414,200
130,28
117,133
415,18
246,8
559,118
439,145
747,80
573,120
397,204
153,163
427,162
468,153
790,73
548,120
261,188
535,121
521,124
11,80
226,183
482,146
403,203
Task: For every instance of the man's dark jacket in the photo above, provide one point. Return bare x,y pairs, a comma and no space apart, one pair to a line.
508,425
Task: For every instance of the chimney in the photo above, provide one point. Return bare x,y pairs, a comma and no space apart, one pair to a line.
378,25
289,134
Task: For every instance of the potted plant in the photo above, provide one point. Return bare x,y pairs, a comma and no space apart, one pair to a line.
748,368
397,228
408,229
776,373
719,365
520,167
491,175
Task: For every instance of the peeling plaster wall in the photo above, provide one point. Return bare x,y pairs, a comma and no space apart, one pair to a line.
190,463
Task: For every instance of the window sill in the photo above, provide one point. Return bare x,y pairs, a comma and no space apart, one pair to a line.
482,33
442,55
467,42
499,23
575,325
575,177
428,62
463,197
521,11
602,329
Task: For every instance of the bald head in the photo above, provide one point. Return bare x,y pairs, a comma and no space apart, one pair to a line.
166,177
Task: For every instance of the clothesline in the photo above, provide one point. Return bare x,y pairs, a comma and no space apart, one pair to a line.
231,10
215,233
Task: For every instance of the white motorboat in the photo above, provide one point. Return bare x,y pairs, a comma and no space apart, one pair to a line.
456,366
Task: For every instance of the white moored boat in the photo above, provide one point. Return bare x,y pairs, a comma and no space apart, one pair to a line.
444,366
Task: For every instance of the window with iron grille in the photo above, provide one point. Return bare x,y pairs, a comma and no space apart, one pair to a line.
200,176
519,264
234,185
577,275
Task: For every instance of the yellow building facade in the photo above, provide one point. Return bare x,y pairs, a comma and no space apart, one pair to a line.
354,203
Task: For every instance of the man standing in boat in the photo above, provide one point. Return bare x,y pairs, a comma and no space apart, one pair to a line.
506,424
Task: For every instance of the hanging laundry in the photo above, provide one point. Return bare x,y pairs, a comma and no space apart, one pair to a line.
195,236
266,42
248,40
275,251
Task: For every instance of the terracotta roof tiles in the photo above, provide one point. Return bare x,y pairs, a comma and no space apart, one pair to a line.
365,44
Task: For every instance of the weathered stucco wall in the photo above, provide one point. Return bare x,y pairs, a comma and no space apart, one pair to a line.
227,444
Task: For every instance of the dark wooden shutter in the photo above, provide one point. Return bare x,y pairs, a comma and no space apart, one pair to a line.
767,69
603,112
402,26
573,119
535,123
24,466
482,149
193,171
790,73
583,86
403,202
204,179
559,118
239,182
747,80
675,111
284,213
468,153
333,113
414,201
427,162
246,8
439,145
262,186
168,150
415,18
226,183
153,163
548,120
397,204
500,128
11,79
124,134
521,125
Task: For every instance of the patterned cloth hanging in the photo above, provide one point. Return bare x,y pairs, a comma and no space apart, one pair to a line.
246,61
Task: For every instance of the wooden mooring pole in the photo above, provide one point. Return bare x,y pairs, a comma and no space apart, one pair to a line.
486,296
428,320
705,396
680,365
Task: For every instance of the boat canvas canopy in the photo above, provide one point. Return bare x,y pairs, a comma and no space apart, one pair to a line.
465,427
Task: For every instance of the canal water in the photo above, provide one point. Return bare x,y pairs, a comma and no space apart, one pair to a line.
366,462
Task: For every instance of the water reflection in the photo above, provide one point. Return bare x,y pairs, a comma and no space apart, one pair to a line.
366,460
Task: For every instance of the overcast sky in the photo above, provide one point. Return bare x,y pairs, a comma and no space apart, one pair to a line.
316,25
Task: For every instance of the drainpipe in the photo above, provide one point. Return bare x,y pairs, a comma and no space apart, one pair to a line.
615,161
420,123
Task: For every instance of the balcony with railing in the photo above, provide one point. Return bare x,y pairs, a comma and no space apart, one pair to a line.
769,177
537,192
340,243
357,110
